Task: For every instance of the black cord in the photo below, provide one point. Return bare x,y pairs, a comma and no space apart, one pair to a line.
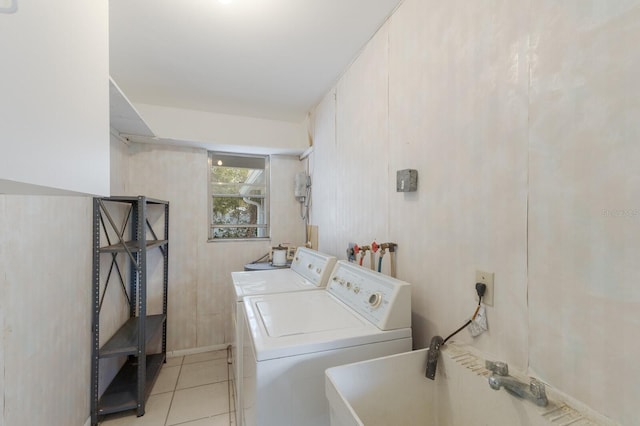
258,260
465,324
457,331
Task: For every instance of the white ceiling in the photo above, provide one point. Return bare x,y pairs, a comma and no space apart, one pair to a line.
262,58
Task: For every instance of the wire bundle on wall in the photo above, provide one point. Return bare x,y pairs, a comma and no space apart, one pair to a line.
302,193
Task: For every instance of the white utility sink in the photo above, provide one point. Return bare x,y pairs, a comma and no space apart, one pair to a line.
394,391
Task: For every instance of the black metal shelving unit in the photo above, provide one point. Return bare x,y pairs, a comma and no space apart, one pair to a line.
131,386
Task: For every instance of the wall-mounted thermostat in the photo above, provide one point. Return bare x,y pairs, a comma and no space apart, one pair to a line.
407,180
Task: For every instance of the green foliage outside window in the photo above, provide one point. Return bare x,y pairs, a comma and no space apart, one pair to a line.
238,202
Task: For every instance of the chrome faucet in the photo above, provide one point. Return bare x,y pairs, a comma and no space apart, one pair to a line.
534,391
432,356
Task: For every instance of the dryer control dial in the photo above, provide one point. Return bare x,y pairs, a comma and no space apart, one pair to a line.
375,299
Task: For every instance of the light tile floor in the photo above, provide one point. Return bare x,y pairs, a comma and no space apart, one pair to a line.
192,390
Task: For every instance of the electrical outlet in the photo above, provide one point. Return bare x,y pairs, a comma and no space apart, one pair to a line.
485,278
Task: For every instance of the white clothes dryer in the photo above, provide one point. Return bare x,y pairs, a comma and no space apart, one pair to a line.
310,270
292,338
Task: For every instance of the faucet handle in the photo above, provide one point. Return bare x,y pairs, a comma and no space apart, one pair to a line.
537,388
498,367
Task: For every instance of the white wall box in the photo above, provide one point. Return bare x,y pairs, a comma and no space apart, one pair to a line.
132,385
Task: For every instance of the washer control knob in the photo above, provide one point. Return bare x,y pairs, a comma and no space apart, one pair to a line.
375,299
356,290
310,266
348,284
318,270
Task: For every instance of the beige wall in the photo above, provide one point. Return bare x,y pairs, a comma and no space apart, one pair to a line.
584,216
45,288
521,119
119,161
200,298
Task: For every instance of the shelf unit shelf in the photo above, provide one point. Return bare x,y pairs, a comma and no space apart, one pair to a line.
132,246
125,341
141,364
121,393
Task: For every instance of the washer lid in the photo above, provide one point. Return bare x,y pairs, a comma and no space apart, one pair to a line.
290,324
268,282
248,277
281,317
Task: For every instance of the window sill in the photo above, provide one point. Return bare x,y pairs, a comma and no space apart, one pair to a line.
238,240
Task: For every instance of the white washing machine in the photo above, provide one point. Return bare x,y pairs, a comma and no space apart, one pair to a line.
310,270
292,338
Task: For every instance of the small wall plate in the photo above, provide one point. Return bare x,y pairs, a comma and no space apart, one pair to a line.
407,180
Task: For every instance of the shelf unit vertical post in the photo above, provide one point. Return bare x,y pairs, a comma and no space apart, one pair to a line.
134,281
165,283
141,226
95,318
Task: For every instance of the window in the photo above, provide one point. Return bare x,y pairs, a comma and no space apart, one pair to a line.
239,196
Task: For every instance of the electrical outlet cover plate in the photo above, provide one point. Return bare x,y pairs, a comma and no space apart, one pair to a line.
485,278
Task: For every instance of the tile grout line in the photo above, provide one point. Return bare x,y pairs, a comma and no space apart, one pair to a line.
182,364
230,388
175,388
173,394
198,419
228,413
